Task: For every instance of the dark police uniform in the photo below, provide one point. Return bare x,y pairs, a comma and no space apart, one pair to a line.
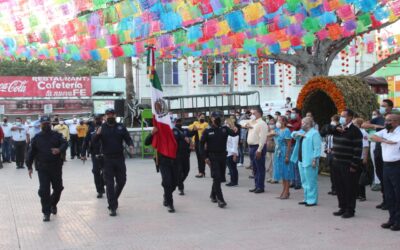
48,165
183,154
213,145
94,149
111,138
169,175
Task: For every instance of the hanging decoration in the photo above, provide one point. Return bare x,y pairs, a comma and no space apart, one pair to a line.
103,29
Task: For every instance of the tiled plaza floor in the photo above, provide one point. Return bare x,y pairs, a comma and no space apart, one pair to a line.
249,221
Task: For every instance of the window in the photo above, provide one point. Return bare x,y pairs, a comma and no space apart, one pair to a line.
267,75
215,73
168,72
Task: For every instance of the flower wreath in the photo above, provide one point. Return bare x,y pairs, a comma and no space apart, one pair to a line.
325,85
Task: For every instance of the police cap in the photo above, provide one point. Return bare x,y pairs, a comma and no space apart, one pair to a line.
110,111
44,119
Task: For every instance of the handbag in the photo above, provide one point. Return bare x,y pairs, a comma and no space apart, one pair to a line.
365,178
271,146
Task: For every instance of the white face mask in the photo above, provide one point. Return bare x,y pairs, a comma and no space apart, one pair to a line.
61,122
28,120
272,126
252,117
18,123
74,119
333,123
278,125
374,116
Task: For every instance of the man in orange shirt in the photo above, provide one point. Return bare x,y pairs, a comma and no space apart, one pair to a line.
82,130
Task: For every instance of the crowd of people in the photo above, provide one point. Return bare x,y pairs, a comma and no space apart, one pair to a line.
284,149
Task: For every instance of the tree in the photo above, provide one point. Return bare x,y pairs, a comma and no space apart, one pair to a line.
51,68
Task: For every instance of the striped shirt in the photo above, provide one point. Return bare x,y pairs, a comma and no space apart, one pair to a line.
347,146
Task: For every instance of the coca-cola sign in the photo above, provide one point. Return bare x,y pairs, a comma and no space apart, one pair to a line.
51,86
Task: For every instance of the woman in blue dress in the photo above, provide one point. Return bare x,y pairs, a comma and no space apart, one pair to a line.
283,170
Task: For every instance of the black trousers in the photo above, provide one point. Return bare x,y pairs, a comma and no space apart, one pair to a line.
20,147
218,168
97,171
73,141
200,159
346,183
183,164
391,177
79,146
329,159
379,167
115,178
50,176
170,176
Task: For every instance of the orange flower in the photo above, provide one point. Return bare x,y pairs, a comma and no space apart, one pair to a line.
325,85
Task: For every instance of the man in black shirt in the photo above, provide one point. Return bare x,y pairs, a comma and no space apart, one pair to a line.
46,151
213,145
111,135
182,137
346,151
96,153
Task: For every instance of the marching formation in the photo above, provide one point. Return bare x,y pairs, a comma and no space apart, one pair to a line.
281,148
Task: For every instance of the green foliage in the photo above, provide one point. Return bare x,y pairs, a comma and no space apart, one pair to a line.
51,68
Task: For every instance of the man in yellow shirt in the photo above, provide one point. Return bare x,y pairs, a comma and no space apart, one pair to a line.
63,129
82,130
199,126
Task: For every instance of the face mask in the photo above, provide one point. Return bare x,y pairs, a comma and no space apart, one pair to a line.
382,110
237,117
74,119
61,122
333,123
179,126
278,125
17,123
46,127
28,120
111,120
342,121
293,116
5,120
252,117
202,120
389,126
272,126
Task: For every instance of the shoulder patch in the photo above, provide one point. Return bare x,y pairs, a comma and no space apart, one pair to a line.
120,127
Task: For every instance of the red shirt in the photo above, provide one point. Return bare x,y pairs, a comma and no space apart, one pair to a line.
1,134
295,124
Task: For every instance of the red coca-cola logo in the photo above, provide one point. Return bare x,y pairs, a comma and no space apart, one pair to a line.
16,86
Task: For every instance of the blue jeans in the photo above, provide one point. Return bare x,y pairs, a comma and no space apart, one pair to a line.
7,149
232,165
258,166
391,180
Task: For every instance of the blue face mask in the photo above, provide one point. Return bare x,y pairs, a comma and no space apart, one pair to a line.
382,110
293,116
342,121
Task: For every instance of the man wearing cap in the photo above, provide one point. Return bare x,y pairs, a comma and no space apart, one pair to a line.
182,137
45,150
111,136
213,146
97,158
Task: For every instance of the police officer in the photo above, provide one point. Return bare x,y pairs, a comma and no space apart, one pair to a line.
182,137
213,145
97,158
169,173
111,136
45,150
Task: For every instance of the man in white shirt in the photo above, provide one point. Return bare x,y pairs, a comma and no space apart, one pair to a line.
20,137
256,139
30,127
7,143
390,139
73,135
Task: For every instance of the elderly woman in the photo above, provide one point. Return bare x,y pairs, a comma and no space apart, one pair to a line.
308,158
283,170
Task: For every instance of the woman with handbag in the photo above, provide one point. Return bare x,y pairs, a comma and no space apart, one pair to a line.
363,172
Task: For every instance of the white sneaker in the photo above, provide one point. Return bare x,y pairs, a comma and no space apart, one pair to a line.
240,165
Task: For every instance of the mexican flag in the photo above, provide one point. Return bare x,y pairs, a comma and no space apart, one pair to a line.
163,141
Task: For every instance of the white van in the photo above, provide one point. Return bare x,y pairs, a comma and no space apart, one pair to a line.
270,107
